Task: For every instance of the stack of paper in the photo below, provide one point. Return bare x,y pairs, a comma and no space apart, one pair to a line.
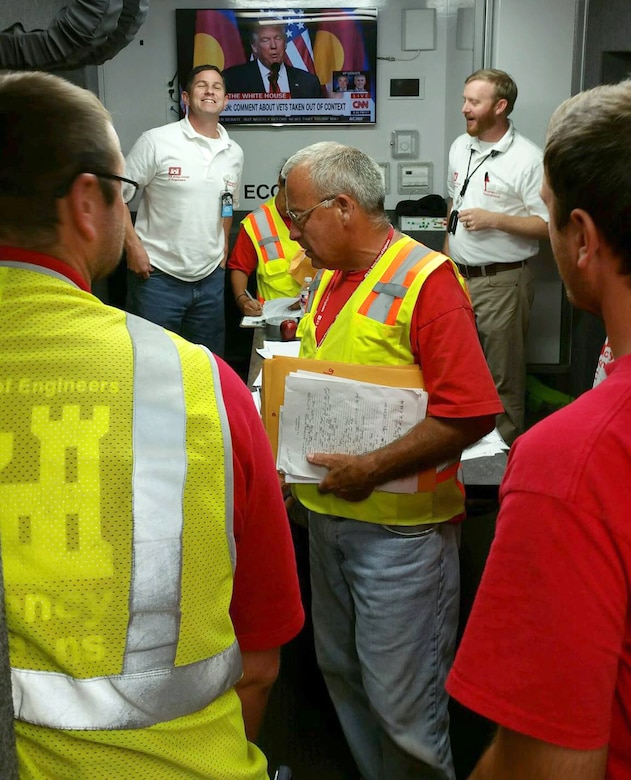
336,415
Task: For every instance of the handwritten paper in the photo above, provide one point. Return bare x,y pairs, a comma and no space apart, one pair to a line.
336,415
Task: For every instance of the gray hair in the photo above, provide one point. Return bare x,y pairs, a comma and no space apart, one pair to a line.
336,169
587,160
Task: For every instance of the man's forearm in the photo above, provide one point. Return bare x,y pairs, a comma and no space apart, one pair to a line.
260,670
227,227
432,442
450,205
238,282
137,257
513,755
524,227
131,238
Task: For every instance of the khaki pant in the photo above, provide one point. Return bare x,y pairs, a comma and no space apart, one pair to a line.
502,305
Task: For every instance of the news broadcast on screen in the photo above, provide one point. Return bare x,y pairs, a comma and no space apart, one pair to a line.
286,66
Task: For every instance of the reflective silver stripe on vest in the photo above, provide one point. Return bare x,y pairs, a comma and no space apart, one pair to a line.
268,239
229,473
159,446
122,701
387,292
150,689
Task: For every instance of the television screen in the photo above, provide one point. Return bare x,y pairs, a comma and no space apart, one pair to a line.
282,66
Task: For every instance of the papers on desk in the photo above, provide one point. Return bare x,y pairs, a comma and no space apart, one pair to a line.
336,415
252,322
285,348
276,348
486,447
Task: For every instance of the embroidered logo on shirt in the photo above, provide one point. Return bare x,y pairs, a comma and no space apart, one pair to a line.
175,173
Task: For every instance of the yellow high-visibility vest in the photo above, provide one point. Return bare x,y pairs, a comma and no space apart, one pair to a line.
275,251
373,328
117,542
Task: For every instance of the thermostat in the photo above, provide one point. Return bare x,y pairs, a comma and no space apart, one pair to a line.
404,143
415,177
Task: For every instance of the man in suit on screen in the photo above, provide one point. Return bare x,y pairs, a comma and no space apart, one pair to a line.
267,72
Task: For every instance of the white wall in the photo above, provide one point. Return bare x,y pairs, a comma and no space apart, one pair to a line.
134,88
532,40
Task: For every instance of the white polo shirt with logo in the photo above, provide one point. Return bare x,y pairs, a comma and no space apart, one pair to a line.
508,181
183,175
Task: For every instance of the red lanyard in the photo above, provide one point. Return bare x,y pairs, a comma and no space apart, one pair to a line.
338,275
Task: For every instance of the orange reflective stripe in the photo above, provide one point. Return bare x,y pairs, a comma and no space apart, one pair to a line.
273,233
400,258
409,278
363,309
394,311
416,269
255,229
390,272
447,473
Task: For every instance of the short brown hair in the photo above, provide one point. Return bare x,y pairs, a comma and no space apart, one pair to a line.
587,160
50,132
505,87
198,69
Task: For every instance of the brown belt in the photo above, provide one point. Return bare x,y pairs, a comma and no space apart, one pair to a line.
474,271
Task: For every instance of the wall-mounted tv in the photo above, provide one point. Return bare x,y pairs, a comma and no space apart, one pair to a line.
286,66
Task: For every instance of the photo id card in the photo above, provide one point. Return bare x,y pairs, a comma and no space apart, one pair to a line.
226,204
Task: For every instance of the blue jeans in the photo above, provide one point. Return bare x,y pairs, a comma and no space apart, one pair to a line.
194,310
385,614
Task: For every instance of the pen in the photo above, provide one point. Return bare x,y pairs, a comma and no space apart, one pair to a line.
250,297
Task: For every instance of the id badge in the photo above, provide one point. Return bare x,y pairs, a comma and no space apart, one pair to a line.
226,204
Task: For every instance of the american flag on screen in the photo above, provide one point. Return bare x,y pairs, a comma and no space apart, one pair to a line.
299,52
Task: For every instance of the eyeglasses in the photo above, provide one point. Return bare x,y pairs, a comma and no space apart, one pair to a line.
122,179
62,191
300,218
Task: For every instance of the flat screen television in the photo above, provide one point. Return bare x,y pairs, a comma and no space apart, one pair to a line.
286,66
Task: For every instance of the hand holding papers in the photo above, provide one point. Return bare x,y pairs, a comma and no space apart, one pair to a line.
328,414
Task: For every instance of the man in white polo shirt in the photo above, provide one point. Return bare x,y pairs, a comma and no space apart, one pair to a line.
190,172
497,218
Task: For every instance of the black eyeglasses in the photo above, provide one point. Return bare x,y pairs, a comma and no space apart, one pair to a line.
299,218
62,191
122,179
